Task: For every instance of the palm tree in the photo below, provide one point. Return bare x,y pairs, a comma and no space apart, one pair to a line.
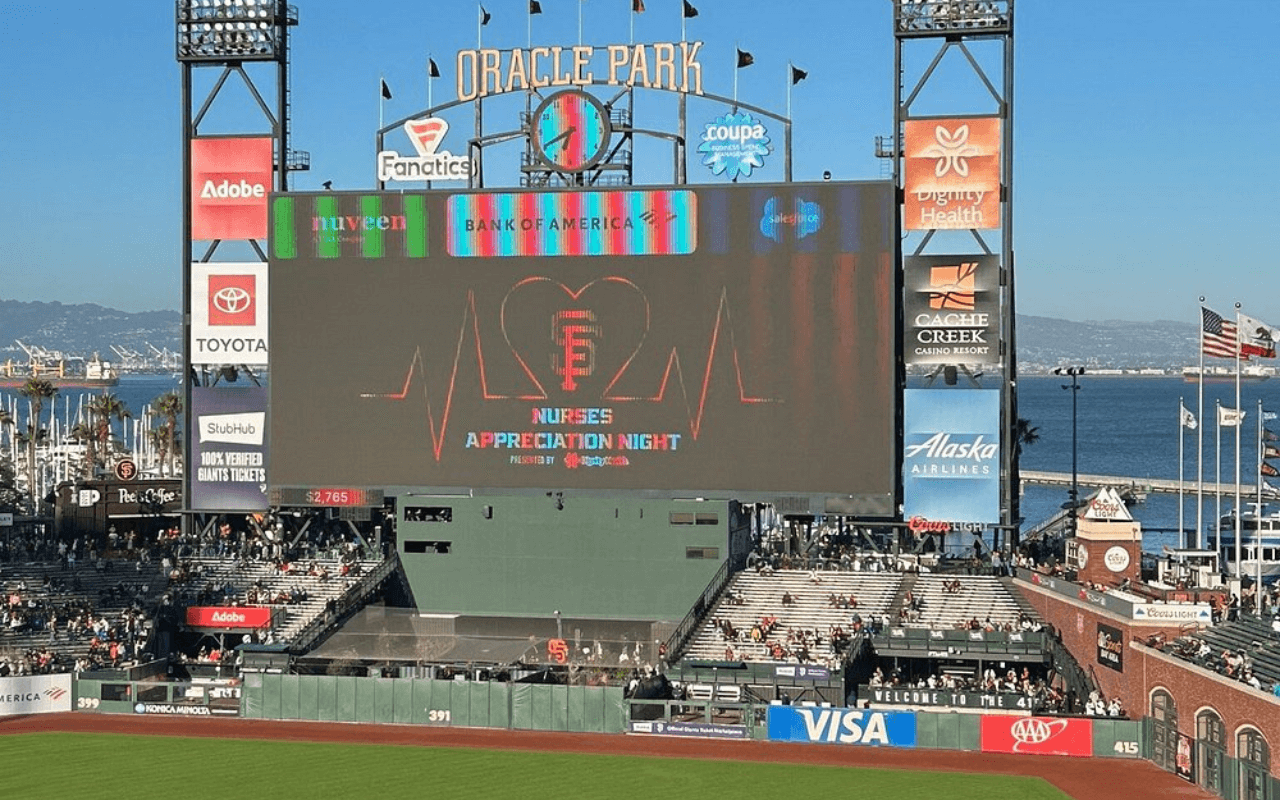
82,433
102,409
170,406
36,390
1024,434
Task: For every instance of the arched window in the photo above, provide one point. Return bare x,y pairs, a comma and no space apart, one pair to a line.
1253,755
1164,730
1211,741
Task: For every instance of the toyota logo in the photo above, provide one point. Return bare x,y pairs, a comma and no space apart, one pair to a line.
232,300
1032,731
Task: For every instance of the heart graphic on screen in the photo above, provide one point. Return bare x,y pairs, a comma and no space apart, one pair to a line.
575,342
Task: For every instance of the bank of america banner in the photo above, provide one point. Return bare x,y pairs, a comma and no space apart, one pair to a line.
229,313
35,694
951,455
952,309
229,448
849,726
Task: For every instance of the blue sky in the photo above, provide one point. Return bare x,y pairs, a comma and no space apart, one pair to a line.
1144,131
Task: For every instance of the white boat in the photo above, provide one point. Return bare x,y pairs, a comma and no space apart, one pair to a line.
1259,536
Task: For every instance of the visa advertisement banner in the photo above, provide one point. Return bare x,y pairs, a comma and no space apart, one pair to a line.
1042,736
229,313
951,308
231,177
951,455
842,726
229,451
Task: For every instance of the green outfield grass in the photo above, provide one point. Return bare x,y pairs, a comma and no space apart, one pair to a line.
71,765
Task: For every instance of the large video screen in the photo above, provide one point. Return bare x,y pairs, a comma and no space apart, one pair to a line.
681,339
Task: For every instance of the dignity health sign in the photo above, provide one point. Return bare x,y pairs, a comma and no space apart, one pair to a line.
951,455
842,726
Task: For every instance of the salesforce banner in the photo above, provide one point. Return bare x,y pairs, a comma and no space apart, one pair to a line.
951,455
842,726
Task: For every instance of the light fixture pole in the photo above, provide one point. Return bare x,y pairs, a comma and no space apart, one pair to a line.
1074,503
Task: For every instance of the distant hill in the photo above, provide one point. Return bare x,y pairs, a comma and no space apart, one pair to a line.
85,329
1042,341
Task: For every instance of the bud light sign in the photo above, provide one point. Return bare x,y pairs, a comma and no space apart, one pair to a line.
842,726
733,145
951,455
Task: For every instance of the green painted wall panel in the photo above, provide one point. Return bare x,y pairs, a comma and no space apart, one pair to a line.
479,699
970,731
288,688
500,705
326,698
271,696
559,707
346,698
522,706
384,700
308,698
366,699
402,701
576,708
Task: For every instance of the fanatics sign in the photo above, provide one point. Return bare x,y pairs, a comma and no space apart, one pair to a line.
230,180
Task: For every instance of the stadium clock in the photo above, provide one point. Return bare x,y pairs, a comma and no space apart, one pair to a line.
570,131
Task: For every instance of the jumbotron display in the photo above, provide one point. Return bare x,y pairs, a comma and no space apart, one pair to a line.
679,339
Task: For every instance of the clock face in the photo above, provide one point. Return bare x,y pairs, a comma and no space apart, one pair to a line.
571,131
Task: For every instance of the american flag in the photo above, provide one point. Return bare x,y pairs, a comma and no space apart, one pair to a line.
1218,336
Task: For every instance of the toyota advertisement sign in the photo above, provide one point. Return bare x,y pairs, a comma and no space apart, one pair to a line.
229,313
230,180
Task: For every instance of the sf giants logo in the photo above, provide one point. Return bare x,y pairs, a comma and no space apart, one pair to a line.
558,650
231,299
574,331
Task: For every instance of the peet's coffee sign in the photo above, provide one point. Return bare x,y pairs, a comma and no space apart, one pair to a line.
672,66
1111,647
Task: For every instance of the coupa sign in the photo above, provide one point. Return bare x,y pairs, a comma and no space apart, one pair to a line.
842,726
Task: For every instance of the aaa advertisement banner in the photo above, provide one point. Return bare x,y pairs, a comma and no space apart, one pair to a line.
1044,736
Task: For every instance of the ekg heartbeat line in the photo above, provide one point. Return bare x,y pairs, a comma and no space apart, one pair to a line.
470,323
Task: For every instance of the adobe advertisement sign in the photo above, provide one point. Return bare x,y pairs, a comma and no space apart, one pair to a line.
229,451
952,309
229,617
231,177
1041,736
951,455
229,313
849,726
951,173
739,338
1111,647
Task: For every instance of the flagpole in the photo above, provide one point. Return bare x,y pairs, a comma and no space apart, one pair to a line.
579,22
788,90
430,81
1200,437
1239,421
530,15
381,99
1217,481
479,27
1182,536
735,77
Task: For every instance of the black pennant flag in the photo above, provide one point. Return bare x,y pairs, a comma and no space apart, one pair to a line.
745,59
535,7
386,90
432,70
689,11
485,16
797,75
637,6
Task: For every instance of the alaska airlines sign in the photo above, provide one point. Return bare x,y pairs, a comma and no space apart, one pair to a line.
672,66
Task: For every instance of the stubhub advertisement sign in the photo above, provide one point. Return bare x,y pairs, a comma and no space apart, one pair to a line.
842,726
